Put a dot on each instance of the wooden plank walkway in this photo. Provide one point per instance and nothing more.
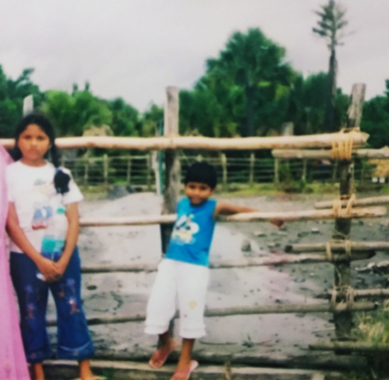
(115, 370)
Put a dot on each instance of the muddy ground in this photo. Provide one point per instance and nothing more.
(283, 336)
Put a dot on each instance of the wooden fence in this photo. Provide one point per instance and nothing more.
(139, 170)
(340, 250)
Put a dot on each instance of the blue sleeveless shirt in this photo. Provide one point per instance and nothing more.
(192, 233)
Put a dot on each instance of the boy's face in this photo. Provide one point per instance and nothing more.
(198, 192)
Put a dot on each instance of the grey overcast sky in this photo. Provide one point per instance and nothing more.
(135, 48)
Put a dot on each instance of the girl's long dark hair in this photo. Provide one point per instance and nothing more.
(61, 179)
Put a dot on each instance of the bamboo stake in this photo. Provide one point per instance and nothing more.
(338, 246)
(350, 346)
(289, 216)
(272, 260)
(243, 310)
(358, 202)
(207, 143)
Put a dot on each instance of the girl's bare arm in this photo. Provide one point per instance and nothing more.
(71, 237)
(45, 265)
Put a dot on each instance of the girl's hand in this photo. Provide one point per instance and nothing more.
(48, 269)
(61, 266)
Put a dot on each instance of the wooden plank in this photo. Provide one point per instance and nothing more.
(363, 293)
(206, 143)
(288, 216)
(132, 370)
(350, 346)
(242, 310)
(358, 202)
(338, 246)
(272, 260)
(325, 154)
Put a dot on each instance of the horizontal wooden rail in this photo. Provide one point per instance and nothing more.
(349, 346)
(243, 310)
(325, 154)
(363, 293)
(272, 260)
(207, 143)
(358, 202)
(338, 246)
(287, 216)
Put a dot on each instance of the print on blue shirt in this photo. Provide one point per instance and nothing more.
(192, 233)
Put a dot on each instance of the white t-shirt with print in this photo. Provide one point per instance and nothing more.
(32, 191)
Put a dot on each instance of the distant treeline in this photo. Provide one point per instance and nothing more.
(249, 89)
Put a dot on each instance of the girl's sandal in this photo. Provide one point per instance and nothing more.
(184, 374)
(160, 356)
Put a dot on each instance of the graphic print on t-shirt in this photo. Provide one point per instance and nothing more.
(41, 217)
(184, 229)
(43, 211)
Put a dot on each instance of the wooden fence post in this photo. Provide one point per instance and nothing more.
(304, 173)
(86, 168)
(149, 169)
(172, 171)
(276, 170)
(129, 169)
(343, 321)
(223, 160)
(251, 172)
(172, 164)
(105, 169)
(334, 170)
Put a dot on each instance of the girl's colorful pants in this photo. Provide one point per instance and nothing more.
(74, 341)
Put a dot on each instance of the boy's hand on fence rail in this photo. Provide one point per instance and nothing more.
(277, 222)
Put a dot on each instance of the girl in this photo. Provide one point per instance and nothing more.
(13, 365)
(42, 203)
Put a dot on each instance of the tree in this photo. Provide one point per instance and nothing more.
(71, 114)
(12, 93)
(125, 118)
(150, 121)
(375, 119)
(330, 27)
(240, 90)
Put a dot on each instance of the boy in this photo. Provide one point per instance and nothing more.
(183, 272)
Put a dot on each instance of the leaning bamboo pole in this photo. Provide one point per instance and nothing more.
(338, 246)
(358, 202)
(287, 216)
(325, 154)
(206, 143)
(242, 310)
(272, 260)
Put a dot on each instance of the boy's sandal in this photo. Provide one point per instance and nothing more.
(184, 374)
(161, 356)
(93, 378)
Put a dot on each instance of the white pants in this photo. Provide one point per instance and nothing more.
(182, 282)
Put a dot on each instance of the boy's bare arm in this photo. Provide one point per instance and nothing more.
(223, 208)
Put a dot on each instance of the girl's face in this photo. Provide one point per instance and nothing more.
(33, 143)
